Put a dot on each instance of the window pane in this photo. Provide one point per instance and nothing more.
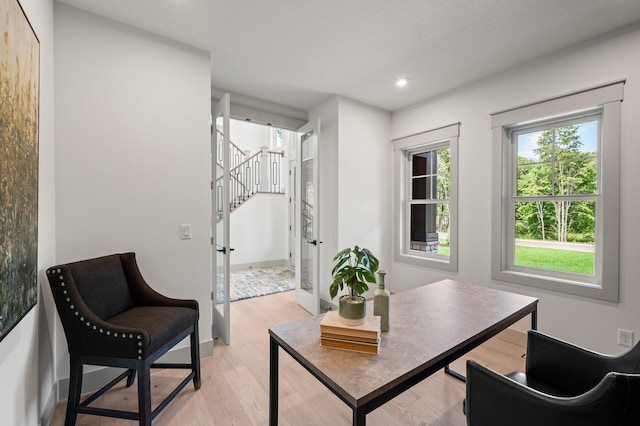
(558, 161)
(444, 175)
(558, 236)
(430, 228)
(575, 177)
(419, 188)
(420, 224)
(579, 138)
(533, 180)
(528, 147)
(436, 166)
(419, 164)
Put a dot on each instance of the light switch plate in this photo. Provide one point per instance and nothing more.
(185, 232)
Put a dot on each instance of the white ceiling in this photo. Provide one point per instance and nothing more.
(297, 53)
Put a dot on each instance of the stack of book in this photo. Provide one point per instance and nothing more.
(359, 338)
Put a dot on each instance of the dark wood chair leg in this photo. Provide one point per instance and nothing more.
(144, 395)
(195, 357)
(75, 389)
(131, 377)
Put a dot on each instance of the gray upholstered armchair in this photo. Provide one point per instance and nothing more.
(111, 317)
(563, 385)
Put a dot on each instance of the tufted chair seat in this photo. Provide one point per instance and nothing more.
(112, 317)
(158, 325)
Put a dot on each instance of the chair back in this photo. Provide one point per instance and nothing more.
(101, 284)
(628, 362)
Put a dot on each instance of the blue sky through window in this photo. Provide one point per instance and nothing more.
(588, 132)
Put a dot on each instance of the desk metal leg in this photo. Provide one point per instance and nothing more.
(359, 416)
(534, 319)
(455, 374)
(273, 382)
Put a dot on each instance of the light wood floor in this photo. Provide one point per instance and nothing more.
(235, 383)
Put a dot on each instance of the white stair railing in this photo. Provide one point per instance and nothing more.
(236, 154)
(258, 173)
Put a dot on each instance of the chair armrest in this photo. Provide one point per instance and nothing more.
(564, 366)
(142, 292)
(494, 400)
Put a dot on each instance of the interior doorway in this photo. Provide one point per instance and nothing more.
(260, 216)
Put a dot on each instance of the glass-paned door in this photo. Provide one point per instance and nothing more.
(307, 282)
(293, 220)
(220, 197)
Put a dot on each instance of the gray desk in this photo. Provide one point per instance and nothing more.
(431, 326)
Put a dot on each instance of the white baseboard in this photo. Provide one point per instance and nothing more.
(94, 380)
(49, 407)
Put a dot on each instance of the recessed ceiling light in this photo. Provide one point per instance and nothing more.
(401, 82)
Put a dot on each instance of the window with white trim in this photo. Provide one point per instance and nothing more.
(556, 185)
(426, 198)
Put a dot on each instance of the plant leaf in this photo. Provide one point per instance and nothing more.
(342, 253)
(353, 268)
(339, 265)
(368, 276)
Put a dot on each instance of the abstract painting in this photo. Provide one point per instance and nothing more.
(19, 109)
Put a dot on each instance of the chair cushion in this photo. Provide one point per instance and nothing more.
(162, 323)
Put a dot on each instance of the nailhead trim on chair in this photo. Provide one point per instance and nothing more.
(94, 327)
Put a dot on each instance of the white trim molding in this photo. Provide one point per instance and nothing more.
(404, 147)
(605, 101)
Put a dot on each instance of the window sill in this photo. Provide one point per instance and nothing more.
(444, 263)
(567, 286)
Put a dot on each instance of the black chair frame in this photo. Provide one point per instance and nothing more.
(142, 368)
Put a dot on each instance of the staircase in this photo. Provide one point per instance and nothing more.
(249, 174)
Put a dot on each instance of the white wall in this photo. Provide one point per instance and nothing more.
(133, 154)
(258, 231)
(249, 136)
(26, 360)
(365, 180)
(355, 182)
(581, 320)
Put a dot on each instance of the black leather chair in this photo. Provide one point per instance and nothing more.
(563, 385)
(111, 317)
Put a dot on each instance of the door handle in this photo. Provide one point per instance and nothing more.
(223, 250)
(314, 242)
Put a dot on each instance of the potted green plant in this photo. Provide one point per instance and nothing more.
(353, 268)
